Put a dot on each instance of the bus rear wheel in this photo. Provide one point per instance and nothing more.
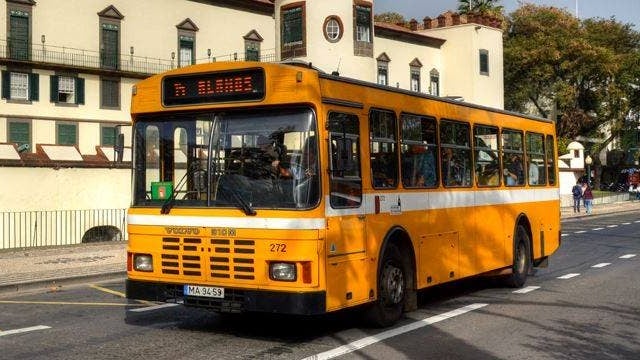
(392, 289)
(521, 259)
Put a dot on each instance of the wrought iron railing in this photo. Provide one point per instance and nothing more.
(82, 58)
(25, 229)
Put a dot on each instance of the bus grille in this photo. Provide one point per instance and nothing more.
(232, 259)
(181, 257)
(228, 259)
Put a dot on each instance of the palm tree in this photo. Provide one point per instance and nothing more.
(485, 7)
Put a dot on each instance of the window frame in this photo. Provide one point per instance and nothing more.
(482, 180)
(507, 151)
(381, 142)
(118, 84)
(484, 62)
(297, 48)
(18, 142)
(59, 133)
(362, 30)
(409, 145)
(467, 173)
(340, 28)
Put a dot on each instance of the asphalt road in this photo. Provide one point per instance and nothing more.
(585, 305)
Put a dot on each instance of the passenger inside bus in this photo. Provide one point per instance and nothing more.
(514, 172)
(422, 166)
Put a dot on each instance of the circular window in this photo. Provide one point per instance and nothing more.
(333, 28)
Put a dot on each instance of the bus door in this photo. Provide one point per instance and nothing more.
(346, 237)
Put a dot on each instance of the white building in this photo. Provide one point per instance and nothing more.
(67, 69)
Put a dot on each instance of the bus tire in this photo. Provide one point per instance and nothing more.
(521, 259)
(392, 289)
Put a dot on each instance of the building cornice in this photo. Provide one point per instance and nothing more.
(262, 7)
(399, 33)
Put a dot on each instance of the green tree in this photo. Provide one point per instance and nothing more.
(485, 7)
(390, 17)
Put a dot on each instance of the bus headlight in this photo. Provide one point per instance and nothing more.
(142, 262)
(282, 271)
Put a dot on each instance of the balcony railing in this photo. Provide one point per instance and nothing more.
(81, 58)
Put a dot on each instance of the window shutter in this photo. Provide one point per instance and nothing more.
(79, 91)
(53, 88)
(6, 85)
(34, 84)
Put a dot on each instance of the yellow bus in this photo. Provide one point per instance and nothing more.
(264, 187)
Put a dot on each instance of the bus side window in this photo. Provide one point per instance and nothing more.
(487, 160)
(345, 182)
(535, 159)
(456, 154)
(418, 151)
(512, 152)
(383, 149)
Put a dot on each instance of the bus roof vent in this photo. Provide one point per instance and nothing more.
(300, 63)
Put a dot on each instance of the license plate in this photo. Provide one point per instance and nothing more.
(206, 291)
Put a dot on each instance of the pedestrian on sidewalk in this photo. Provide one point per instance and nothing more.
(587, 195)
(577, 195)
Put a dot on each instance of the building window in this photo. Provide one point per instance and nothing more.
(333, 28)
(110, 19)
(110, 93)
(107, 135)
(19, 33)
(66, 134)
(415, 79)
(20, 86)
(252, 43)
(383, 69)
(484, 62)
(363, 45)
(19, 132)
(434, 82)
(186, 56)
(414, 73)
(66, 89)
(293, 31)
(186, 42)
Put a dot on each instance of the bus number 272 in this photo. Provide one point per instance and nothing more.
(278, 247)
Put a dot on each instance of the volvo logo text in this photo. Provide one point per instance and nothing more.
(182, 230)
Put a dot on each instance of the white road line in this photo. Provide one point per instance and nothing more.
(24, 330)
(568, 276)
(370, 340)
(637, 221)
(612, 226)
(597, 229)
(628, 256)
(564, 235)
(601, 265)
(151, 308)
(581, 231)
(627, 223)
(526, 289)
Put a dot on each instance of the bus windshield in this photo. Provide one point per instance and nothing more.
(265, 159)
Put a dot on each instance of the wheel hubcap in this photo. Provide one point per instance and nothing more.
(393, 286)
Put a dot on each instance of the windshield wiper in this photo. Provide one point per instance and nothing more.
(244, 205)
(168, 204)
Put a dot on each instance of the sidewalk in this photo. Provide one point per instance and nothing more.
(55, 267)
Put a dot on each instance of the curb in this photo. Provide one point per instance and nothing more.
(55, 284)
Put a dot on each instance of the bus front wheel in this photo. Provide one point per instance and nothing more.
(521, 259)
(392, 289)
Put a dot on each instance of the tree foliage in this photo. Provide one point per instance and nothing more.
(390, 17)
(484, 7)
(586, 73)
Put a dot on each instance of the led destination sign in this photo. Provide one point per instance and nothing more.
(213, 87)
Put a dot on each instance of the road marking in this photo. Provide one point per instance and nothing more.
(568, 276)
(581, 231)
(370, 340)
(628, 256)
(612, 226)
(24, 330)
(118, 293)
(637, 221)
(66, 303)
(564, 235)
(526, 289)
(156, 307)
(597, 229)
(601, 265)
(627, 223)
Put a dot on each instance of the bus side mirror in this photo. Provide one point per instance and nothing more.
(119, 147)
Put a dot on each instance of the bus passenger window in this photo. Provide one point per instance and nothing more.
(535, 159)
(487, 160)
(383, 149)
(418, 151)
(455, 162)
(512, 148)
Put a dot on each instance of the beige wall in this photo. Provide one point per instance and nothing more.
(460, 53)
(66, 188)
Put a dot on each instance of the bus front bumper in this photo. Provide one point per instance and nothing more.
(235, 300)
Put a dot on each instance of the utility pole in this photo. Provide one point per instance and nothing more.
(576, 8)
